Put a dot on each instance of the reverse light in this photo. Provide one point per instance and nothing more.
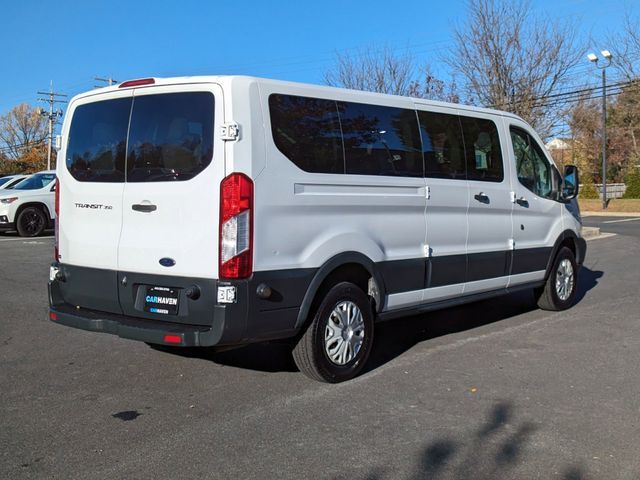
(236, 227)
(137, 83)
(8, 200)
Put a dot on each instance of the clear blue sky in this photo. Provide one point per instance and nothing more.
(70, 42)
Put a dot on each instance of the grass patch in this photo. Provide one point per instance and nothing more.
(626, 205)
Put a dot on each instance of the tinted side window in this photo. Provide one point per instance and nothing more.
(380, 140)
(307, 132)
(482, 146)
(171, 136)
(442, 145)
(97, 141)
(533, 169)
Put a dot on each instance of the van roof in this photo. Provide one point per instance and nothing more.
(227, 79)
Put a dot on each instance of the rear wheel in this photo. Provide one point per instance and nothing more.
(559, 293)
(31, 222)
(337, 342)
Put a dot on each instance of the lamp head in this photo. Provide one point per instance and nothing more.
(606, 54)
(592, 57)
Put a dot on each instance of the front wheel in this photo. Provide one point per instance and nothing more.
(337, 342)
(559, 292)
(31, 222)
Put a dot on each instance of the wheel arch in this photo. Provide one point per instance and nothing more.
(569, 239)
(39, 205)
(346, 266)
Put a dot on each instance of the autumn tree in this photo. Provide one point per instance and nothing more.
(586, 142)
(382, 70)
(509, 59)
(623, 130)
(22, 129)
(625, 45)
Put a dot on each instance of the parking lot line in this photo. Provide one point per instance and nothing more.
(623, 220)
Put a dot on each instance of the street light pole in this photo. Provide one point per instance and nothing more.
(604, 138)
(594, 58)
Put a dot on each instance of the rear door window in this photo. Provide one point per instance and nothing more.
(97, 141)
(149, 138)
(171, 136)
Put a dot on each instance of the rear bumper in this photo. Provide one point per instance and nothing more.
(107, 301)
(134, 329)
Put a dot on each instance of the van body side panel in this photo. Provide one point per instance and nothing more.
(304, 219)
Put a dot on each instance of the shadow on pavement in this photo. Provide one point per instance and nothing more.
(587, 279)
(394, 337)
(488, 451)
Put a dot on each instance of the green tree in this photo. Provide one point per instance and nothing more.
(588, 191)
(633, 184)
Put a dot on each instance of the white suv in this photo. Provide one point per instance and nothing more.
(219, 211)
(28, 206)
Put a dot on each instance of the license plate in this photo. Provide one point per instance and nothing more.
(162, 300)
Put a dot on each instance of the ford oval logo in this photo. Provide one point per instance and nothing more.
(167, 262)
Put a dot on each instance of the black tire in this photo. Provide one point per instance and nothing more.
(31, 222)
(310, 353)
(548, 297)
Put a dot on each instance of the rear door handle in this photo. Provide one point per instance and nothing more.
(144, 207)
(481, 197)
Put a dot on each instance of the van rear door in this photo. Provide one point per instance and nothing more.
(170, 208)
(91, 186)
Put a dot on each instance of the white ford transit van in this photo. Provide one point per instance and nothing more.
(219, 211)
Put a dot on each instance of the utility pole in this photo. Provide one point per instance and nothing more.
(52, 116)
(109, 81)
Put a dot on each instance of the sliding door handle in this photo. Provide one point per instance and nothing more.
(482, 198)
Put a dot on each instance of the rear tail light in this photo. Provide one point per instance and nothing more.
(57, 221)
(236, 227)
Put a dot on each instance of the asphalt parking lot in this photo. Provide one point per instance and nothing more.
(495, 389)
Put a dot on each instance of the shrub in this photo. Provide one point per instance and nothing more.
(633, 185)
(588, 191)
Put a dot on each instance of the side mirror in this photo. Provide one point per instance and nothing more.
(570, 183)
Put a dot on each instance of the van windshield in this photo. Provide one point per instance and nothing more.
(148, 138)
(35, 182)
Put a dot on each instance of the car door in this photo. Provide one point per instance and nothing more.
(537, 215)
(447, 193)
(91, 170)
(490, 237)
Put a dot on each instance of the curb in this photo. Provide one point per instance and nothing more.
(590, 232)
